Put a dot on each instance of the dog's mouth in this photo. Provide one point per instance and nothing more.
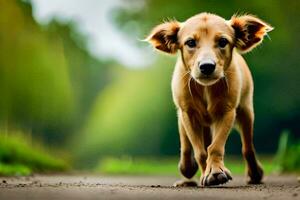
(207, 80)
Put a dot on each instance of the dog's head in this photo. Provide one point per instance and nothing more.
(206, 42)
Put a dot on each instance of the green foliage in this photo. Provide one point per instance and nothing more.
(19, 156)
(131, 116)
(14, 170)
(140, 166)
(48, 80)
(288, 153)
(34, 90)
(291, 161)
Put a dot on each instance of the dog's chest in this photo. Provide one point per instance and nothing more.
(202, 97)
(208, 101)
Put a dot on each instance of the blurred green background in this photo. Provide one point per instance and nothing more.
(65, 106)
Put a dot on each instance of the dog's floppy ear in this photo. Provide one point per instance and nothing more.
(249, 31)
(164, 37)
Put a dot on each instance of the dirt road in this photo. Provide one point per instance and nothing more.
(116, 187)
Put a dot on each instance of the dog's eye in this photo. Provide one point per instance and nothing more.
(223, 42)
(191, 43)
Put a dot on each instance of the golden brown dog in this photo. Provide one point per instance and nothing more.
(212, 90)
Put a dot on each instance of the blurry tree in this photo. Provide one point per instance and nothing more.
(48, 79)
(88, 75)
(132, 116)
(35, 84)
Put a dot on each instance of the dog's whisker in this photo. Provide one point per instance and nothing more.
(189, 85)
(224, 79)
(188, 72)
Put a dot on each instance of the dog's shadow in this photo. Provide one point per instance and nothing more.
(227, 187)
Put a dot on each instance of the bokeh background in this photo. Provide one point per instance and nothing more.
(79, 90)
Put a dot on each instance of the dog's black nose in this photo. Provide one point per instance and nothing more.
(207, 68)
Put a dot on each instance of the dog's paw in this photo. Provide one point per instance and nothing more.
(188, 167)
(215, 174)
(255, 175)
(185, 183)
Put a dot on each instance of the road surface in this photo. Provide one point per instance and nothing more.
(137, 187)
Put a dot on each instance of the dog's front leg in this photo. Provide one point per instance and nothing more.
(195, 135)
(216, 173)
(187, 164)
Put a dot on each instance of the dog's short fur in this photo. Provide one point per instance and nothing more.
(212, 90)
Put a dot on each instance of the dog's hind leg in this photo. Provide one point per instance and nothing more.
(207, 137)
(245, 120)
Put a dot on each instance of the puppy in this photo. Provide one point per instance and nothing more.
(212, 89)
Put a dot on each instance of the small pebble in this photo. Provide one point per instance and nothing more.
(295, 194)
(154, 186)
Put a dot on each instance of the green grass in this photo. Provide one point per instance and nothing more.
(14, 170)
(167, 166)
(137, 166)
(19, 156)
(288, 153)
